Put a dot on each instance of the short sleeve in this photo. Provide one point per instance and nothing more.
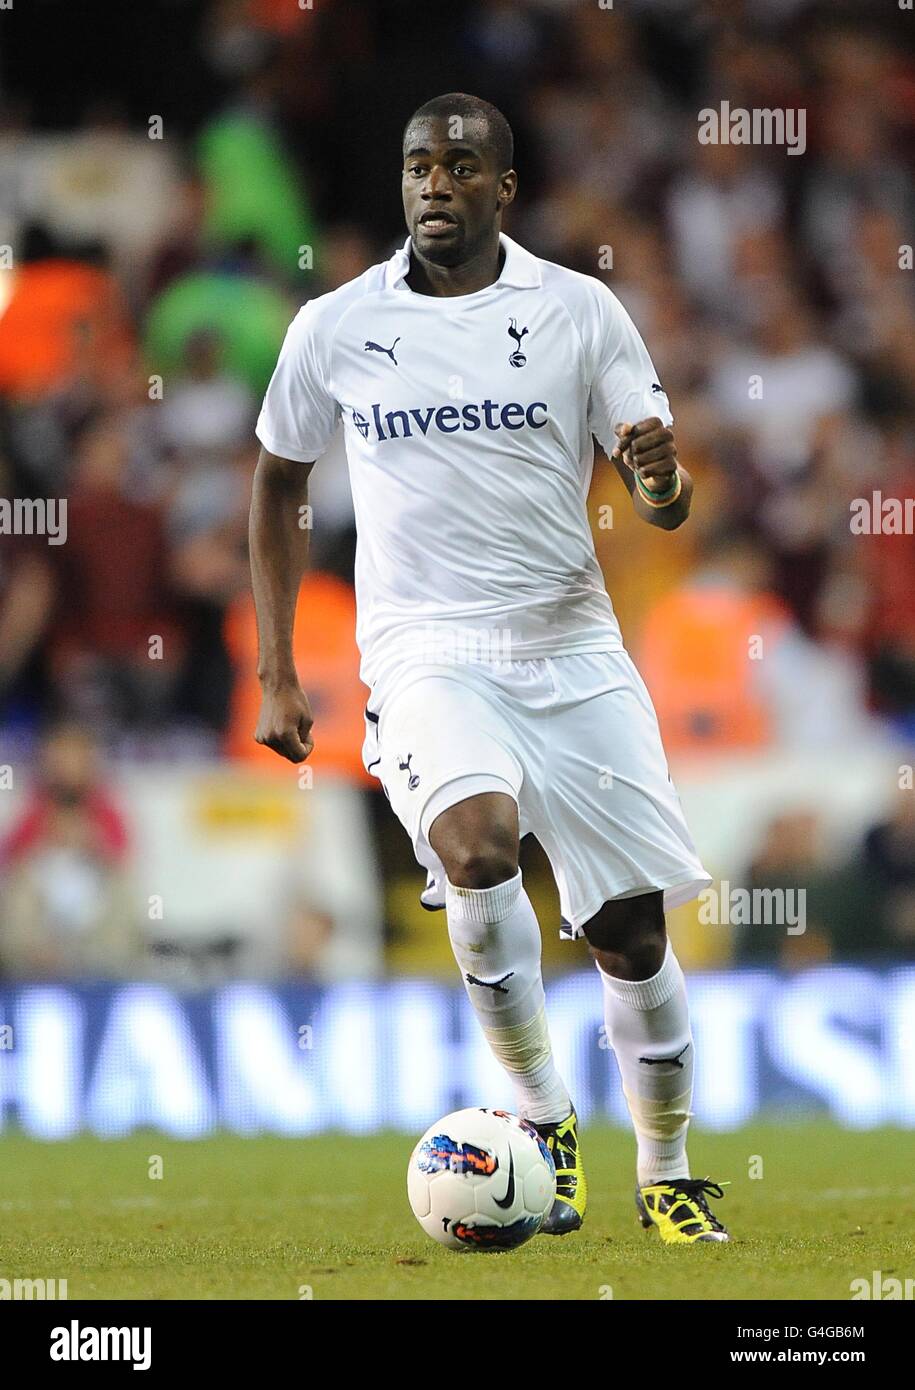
(625, 387)
(299, 415)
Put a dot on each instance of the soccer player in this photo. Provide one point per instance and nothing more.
(470, 377)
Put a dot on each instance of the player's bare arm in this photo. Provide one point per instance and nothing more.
(279, 553)
(646, 460)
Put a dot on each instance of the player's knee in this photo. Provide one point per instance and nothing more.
(483, 862)
(628, 938)
(477, 841)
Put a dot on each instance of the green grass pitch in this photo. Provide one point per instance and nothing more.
(266, 1218)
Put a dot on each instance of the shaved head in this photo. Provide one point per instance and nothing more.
(497, 141)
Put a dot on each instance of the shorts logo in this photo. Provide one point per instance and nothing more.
(517, 358)
(413, 780)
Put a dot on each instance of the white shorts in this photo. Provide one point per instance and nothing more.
(573, 739)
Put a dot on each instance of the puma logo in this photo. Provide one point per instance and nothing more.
(671, 1061)
(490, 984)
(376, 347)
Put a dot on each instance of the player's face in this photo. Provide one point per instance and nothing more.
(452, 191)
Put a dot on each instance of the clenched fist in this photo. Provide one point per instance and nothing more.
(285, 722)
(648, 448)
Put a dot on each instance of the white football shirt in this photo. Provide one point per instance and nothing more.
(468, 424)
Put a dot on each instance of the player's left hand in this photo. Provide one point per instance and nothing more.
(649, 449)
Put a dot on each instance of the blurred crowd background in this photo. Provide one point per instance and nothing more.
(176, 179)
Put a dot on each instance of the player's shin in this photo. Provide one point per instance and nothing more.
(647, 1024)
(496, 941)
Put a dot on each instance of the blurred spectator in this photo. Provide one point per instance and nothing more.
(117, 641)
(858, 907)
(703, 650)
(253, 189)
(886, 866)
(889, 628)
(107, 181)
(26, 602)
(206, 414)
(720, 198)
(66, 908)
(856, 169)
(791, 860)
(181, 245)
(327, 660)
(347, 252)
(208, 529)
(777, 392)
(337, 922)
(64, 320)
(250, 314)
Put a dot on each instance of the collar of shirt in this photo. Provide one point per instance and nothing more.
(520, 271)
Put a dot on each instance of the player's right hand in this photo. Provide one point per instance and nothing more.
(285, 722)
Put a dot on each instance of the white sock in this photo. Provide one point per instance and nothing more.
(648, 1020)
(495, 937)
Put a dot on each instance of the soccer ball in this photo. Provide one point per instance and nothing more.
(481, 1180)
